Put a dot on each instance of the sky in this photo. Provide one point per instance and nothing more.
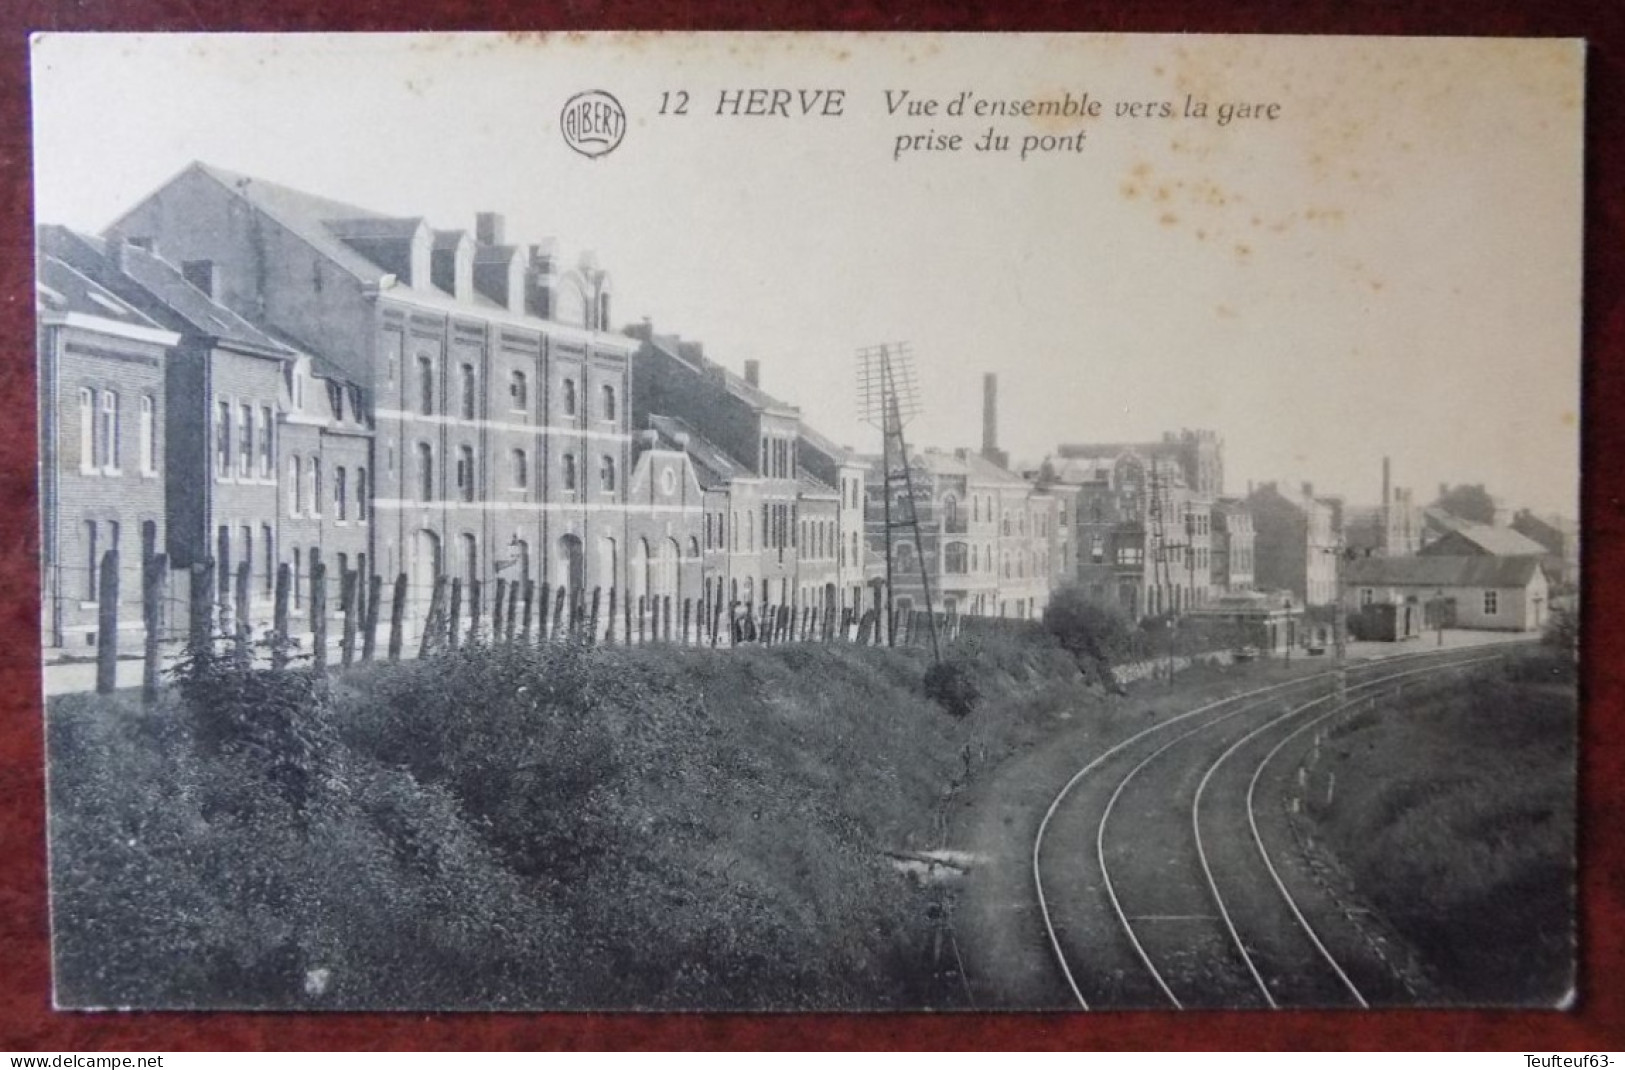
(1384, 263)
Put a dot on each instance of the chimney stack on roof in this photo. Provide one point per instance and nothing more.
(489, 228)
(753, 372)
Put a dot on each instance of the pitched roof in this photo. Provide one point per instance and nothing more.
(733, 385)
(822, 443)
(1441, 571)
(713, 465)
(59, 288)
(1503, 542)
(158, 289)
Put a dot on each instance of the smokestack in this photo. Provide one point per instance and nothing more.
(1386, 484)
(489, 228)
(990, 415)
(753, 372)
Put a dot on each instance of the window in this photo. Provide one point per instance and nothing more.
(955, 558)
(222, 439)
(465, 473)
(1097, 549)
(111, 458)
(299, 390)
(519, 466)
(569, 473)
(92, 560)
(606, 473)
(425, 386)
(267, 445)
(245, 441)
(341, 494)
(269, 553)
(1492, 603)
(296, 485)
(87, 430)
(149, 440)
(568, 397)
(950, 513)
(518, 392)
(425, 472)
(609, 402)
(298, 572)
(361, 495)
(1366, 596)
(315, 486)
(470, 407)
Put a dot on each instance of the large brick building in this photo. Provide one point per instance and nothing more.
(1297, 542)
(496, 395)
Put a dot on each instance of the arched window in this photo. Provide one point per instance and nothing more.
(315, 486)
(519, 464)
(465, 472)
(425, 472)
(296, 485)
(606, 472)
(950, 513)
(569, 471)
(361, 494)
(609, 401)
(470, 403)
(955, 558)
(341, 500)
(567, 399)
(425, 386)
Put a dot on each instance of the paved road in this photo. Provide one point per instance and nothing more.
(1134, 909)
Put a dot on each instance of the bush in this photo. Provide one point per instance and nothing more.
(1094, 635)
(952, 686)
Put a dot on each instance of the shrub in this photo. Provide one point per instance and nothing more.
(1094, 635)
(952, 686)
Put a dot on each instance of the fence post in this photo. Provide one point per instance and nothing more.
(530, 601)
(107, 624)
(643, 613)
(716, 618)
(558, 610)
(152, 587)
(513, 609)
(279, 617)
(626, 618)
(397, 610)
(541, 614)
(592, 621)
(318, 616)
(199, 606)
(431, 622)
(609, 620)
(369, 617)
(499, 603)
(348, 583)
(241, 632)
(454, 615)
(475, 610)
(688, 610)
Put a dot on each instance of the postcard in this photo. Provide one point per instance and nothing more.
(750, 521)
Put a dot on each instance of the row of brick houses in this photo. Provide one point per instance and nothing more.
(238, 371)
(245, 373)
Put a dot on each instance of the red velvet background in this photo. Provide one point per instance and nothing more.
(26, 1019)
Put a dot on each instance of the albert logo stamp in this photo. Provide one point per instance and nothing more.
(593, 123)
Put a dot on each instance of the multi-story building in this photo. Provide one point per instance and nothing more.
(838, 467)
(985, 536)
(779, 527)
(1392, 528)
(102, 364)
(497, 392)
(1232, 546)
(1560, 537)
(1297, 542)
(1143, 519)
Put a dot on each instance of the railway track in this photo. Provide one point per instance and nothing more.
(1172, 896)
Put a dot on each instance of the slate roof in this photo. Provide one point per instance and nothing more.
(1503, 542)
(1441, 571)
(732, 384)
(837, 453)
(158, 289)
(713, 466)
(59, 288)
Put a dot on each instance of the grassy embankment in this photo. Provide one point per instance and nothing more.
(552, 827)
(1454, 816)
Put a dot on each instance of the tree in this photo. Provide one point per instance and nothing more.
(1094, 635)
(1468, 501)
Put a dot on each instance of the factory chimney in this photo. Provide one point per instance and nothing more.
(990, 421)
(753, 372)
